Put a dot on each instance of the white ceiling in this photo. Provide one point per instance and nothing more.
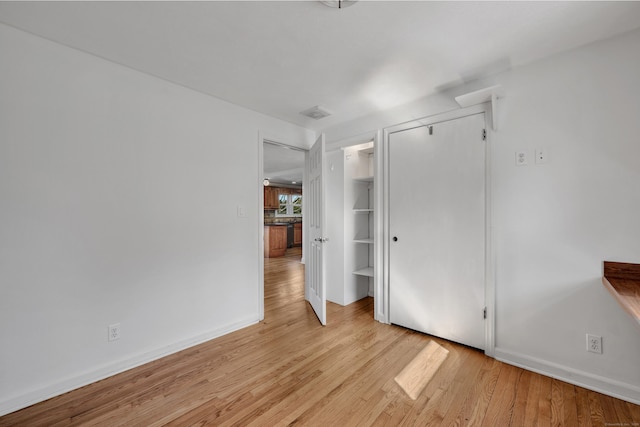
(283, 165)
(280, 58)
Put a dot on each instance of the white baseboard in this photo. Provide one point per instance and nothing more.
(617, 389)
(15, 403)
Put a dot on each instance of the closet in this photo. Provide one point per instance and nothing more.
(350, 223)
(437, 228)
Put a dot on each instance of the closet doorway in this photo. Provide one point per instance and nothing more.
(437, 226)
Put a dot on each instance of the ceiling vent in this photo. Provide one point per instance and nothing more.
(316, 112)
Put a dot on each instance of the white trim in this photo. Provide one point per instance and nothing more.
(261, 140)
(351, 141)
(439, 118)
(305, 223)
(383, 241)
(491, 94)
(31, 397)
(382, 310)
(617, 389)
(490, 255)
(379, 313)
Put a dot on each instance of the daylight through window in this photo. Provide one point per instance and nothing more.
(289, 205)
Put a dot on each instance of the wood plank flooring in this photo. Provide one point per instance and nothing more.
(289, 370)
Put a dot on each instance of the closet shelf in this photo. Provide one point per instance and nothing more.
(364, 179)
(366, 240)
(367, 271)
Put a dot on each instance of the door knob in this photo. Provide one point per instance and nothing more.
(395, 239)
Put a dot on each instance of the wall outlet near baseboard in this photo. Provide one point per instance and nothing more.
(114, 332)
(594, 343)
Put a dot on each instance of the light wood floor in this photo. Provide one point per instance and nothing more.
(288, 370)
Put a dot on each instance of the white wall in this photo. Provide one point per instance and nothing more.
(115, 209)
(555, 223)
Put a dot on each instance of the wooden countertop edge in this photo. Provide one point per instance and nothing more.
(622, 300)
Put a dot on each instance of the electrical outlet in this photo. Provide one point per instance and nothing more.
(594, 343)
(521, 158)
(114, 332)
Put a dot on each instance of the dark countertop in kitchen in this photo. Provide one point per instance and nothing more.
(266, 224)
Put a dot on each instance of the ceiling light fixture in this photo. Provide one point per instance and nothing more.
(266, 182)
(340, 4)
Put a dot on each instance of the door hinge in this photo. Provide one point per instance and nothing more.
(484, 313)
(484, 134)
(430, 130)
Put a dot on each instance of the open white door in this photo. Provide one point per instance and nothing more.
(316, 286)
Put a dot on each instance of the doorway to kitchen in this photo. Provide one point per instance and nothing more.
(283, 175)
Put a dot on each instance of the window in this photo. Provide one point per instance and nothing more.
(296, 204)
(283, 204)
(289, 205)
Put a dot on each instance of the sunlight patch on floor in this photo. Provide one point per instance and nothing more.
(417, 374)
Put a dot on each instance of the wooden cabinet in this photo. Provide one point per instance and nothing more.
(297, 234)
(271, 197)
(275, 240)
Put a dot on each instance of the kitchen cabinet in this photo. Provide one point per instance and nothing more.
(275, 240)
(297, 234)
(271, 198)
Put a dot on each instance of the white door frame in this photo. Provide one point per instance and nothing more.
(382, 251)
(261, 140)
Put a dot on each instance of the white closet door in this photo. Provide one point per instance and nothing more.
(437, 229)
